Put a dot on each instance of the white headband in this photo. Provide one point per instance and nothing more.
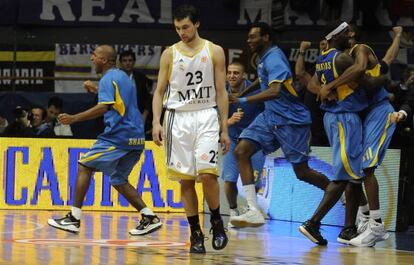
(340, 28)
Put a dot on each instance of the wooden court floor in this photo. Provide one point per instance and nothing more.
(27, 239)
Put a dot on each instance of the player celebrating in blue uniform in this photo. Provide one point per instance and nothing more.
(241, 115)
(284, 123)
(117, 149)
(343, 127)
(378, 128)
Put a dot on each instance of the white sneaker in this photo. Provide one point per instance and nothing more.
(252, 217)
(362, 222)
(374, 232)
(233, 213)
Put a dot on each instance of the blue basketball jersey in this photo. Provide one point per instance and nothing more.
(349, 100)
(273, 67)
(124, 126)
(250, 111)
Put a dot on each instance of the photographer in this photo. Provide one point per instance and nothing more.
(39, 124)
(20, 127)
(54, 108)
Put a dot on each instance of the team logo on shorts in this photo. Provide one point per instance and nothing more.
(204, 156)
(178, 164)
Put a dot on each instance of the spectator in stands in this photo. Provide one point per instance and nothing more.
(39, 124)
(143, 85)
(20, 127)
(54, 108)
(405, 99)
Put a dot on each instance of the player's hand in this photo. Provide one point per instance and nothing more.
(65, 118)
(304, 45)
(225, 142)
(236, 117)
(157, 134)
(90, 86)
(233, 99)
(324, 93)
(397, 117)
(397, 31)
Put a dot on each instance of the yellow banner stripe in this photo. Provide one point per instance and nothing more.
(28, 56)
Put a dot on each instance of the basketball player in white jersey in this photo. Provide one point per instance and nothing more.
(191, 80)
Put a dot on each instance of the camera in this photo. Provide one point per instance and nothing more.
(20, 112)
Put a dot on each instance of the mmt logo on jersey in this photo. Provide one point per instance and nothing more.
(194, 96)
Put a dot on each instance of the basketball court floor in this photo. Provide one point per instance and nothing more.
(25, 238)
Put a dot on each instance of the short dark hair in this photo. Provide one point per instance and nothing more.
(186, 10)
(126, 54)
(57, 102)
(265, 29)
(238, 63)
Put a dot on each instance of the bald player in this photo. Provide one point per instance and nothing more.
(117, 149)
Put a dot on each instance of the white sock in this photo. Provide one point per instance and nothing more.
(364, 208)
(250, 191)
(146, 211)
(234, 212)
(76, 212)
(375, 214)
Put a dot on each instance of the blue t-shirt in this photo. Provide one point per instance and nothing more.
(349, 99)
(124, 126)
(250, 112)
(273, 67)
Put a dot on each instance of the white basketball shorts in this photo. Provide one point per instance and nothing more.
(191, 142)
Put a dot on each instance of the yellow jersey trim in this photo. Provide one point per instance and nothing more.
(187, 54)
(170, 64)
(289, 87)
(175, 175)
(211, 171)
(327, 51)
(210, 50)
(119, 105)
(344, 157)
(87, 158)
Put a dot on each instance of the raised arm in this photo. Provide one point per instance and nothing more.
(302, 76)
(392, 51)
(165, 63)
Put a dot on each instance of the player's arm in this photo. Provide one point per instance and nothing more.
(252, 87)
(162, 83)
(351, 73)
(302, 76)
(392, 51)
(271, 92)
(219, 62)
(313, 85)
(92, 113)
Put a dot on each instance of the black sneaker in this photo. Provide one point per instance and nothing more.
(148, 224)
(219, 235)
(347, 234)
(67, 223)
(197, 242)
(311, 231)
